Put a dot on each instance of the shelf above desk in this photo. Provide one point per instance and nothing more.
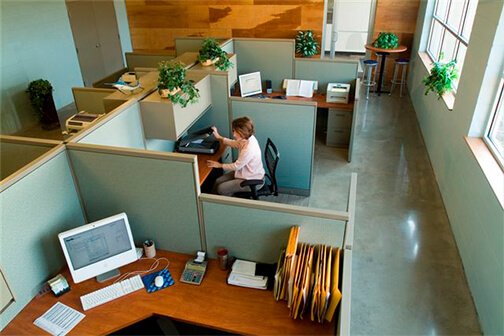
(213, 304)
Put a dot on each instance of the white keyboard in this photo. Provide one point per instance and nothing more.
(111, 292)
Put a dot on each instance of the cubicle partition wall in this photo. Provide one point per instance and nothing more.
(257, 230)
(91, 100)
(16, 152)
(274, 58)
(291, 127)
(38, 202)
(136, 60)
(158, 191)
(120, 128)
(326, 70)
(261, 229)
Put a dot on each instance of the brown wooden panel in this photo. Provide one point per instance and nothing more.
(155, 23)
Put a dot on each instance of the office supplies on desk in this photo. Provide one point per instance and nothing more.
(298, 87)
(59, 319)
(149, 248)
(193, 272)
(59, 285)
(81, 120)
(199, 142)
(111, 292)
(149, 280)
(337, 93)
(243, 273)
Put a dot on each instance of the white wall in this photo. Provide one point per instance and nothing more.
(36, 42)
(476, 216)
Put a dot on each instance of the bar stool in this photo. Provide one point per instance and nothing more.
(400, 65)
(367, 81)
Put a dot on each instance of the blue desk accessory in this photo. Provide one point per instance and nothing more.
(148, 280)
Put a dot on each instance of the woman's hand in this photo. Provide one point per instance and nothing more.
(216, 133)
(214, 164)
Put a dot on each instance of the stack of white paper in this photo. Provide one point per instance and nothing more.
(59, 319)
(243, 274)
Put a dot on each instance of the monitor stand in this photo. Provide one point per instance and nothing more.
(108, 275)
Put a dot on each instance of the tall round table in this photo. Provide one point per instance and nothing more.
(384, 53)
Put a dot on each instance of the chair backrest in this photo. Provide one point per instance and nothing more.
(271, 157)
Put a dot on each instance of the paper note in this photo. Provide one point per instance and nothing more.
(59, 319)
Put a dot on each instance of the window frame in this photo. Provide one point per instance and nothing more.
(497, 104)
(446, 28)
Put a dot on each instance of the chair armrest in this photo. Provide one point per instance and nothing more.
(251, 183)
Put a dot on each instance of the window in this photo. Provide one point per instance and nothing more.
(494, 137)
(451, 27)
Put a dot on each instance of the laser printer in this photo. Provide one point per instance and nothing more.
(337, 93)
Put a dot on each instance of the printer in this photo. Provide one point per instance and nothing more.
(199, 142)
(337, 93)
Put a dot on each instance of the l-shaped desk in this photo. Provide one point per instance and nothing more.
(213, 304)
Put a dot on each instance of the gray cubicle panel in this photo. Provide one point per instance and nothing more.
(258, 230)
(326, 70)
(158, 192)
(37, 203)
(146, 60)
(291, 127)
(120, 128)
(90, 100)
(274, 58)
(228, 46)
(16, 152)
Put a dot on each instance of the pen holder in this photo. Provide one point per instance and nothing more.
(222, 256)
(149, 248)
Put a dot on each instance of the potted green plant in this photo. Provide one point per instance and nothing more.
(41, 98)
(172, 84)
(306, 45)
(386, 41)
(441, 77)
(211, 53)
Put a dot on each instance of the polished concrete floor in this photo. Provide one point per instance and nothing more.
(407, 274)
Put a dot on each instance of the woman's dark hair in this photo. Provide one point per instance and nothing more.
(244, 126)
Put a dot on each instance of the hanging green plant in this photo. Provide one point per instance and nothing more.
(211, 53)
(386, 41)
(441, 78)
(306, 45)
(172, 84)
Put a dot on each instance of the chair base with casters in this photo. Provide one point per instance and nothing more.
(401, 65)
(269, 184)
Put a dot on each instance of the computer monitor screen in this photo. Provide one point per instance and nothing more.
(250, 84)
(99, 247)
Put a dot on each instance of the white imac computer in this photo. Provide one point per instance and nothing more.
(250, 84)
(99, 248)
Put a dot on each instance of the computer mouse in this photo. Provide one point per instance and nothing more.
(158, 281)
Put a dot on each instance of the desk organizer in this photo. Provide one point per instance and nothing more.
(148, 280)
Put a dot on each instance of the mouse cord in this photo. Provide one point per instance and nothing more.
(153, 267)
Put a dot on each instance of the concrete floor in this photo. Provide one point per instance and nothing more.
(407, 273)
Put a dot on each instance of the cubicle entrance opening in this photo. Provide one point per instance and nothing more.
(160, 325)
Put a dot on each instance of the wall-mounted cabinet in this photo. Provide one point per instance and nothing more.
(164, 120)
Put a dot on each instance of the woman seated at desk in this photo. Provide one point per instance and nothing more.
(248, 166)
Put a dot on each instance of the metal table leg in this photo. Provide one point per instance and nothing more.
(382, 68)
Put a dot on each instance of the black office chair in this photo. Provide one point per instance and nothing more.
(271, 157)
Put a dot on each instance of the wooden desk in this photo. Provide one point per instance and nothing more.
(213, 304)
(318, 98)
(384, 53)
(203, 168)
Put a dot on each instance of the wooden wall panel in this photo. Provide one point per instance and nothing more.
(155, 23)
(398, 17)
